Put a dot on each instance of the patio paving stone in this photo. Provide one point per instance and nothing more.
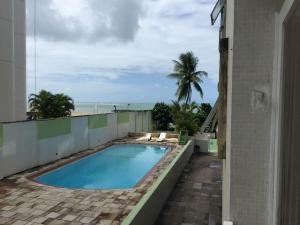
(197, 197)
(23, 201)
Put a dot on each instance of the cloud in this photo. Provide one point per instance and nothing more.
(51, 25)
(90, 21)
(122, 18)
(120, 50)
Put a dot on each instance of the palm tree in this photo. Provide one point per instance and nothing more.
(187, 76)
(46, 105)
(64, 105)
(40, 104)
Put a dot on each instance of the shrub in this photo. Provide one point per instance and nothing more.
(184, 118)
(47, 105)
(161, 115)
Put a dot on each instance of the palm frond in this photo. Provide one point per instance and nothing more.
(198, 88)
(175, 75)
(201, 73)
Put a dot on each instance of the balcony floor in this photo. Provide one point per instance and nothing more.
(197, 197)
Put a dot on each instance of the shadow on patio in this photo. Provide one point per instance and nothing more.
(197, 196)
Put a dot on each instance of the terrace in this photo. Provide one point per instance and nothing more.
(258, 138)
(30, 149)
(24, 201)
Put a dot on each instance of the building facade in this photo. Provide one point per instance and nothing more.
(12, 60)
(260, 162)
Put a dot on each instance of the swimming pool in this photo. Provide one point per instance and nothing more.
(118, 166)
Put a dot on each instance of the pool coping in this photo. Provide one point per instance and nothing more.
(88, 152)
(129, 220)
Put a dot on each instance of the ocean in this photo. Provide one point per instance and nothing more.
(82, 108)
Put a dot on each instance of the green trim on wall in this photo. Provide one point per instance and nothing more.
(123, 117)
(97, 121)
(1, 134)
(53, 128)
(213, 145)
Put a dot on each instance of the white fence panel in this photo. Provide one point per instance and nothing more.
(132, 122)
(123, 129)
(139, 122)
(19, 151)
(54, 148)
(102, 135)
(23, 149)
(79, 134)
(112, 126)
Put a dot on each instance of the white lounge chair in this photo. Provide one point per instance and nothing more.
(146, 138)
(162, 137)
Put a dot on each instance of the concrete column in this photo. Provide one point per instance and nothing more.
(247, 172)
(12, 60)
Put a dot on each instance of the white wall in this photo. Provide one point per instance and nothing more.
(102, 135)
(80, 134)
(140, 121)
(147, 120)
(54, 148)
(132, 122)
(123, 130)
(22, 149)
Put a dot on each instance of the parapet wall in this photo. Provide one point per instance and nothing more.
(27, 144)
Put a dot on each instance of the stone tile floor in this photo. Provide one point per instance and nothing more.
(197, 197)
(24, 202)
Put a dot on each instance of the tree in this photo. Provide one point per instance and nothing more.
(187, 76)
(203, 112)
(161, 114)
(47, 105)
(184, 118)
(63, 105)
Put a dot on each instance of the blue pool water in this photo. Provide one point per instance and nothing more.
(118, 166)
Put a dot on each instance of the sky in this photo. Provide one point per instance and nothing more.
(118, 50)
